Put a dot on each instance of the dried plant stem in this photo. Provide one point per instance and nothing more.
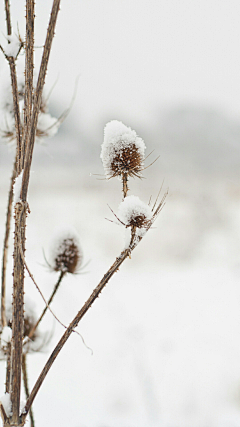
(125, 184)
(18, 126)
(18, 309)
(8, 19)
(95, 294)
(29, 67)
(30, 139)
(8, 369)
(5, 247)
(62, 274)
(26, 388)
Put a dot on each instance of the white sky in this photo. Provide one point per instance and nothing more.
(134, 56)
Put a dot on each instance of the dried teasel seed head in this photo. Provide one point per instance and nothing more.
(122, 151)
(47, 125)
(66, 255)
(135, 213)
(38, 339)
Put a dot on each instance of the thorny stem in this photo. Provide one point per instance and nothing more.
(18, 126)
(38, 97)
(62, 274)
(29, 66)
(18, 309)
(26, 388)
(95, 294)
(125, 184)
(5, 246)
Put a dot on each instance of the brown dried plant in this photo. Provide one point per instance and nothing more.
(122, 155)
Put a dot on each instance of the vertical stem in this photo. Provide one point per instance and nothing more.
(38, 97)
(125, 184)
(18, 310)
(29, 66)
(8, 19)
(5, 247)
(48, 304)
(8, 369)
(26, 388)
(18, 125)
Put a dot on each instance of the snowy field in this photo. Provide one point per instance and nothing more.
(165, 333)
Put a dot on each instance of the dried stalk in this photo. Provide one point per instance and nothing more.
(29, 67)
(20, 221)
(26, 388)
(5, 246)
(62, 274)
(8, 19)
(95, 294)
(30, 139)
(125, 184)
(8, 369)
(18, 309)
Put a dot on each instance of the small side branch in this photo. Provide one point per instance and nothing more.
(5, 247)
(26, 388)
(95, 294)
(47, 305)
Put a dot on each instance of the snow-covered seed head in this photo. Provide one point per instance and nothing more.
(47, 125)
(66, 254)
(135, 213)
(122, 150)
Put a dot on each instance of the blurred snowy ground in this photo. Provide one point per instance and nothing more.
(165, 333)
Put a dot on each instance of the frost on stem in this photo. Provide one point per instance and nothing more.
(122, 151)
(66, 254)
(47, 125)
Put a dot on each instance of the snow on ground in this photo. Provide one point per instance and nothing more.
(165, 333)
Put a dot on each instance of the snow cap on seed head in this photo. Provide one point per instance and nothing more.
(122, 150)
(66, 253)
(133, 212)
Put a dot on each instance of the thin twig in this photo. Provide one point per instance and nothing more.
(8, 17)
(26, 388)
(125, 184)
(29, 66)
(47, 305)
(5, 247)
(71, 327)
(8, 369)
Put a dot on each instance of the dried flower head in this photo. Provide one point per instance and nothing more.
(38, 339)
(47, 125)
(122, 151)
(66, 253)
(135, 213)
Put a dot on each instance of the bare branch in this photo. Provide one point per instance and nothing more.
(47, 305)
(18, 309)
(37, 99)
(29, 67)
(8, 17)
(5, 246)
(95, 294)
(26, 388)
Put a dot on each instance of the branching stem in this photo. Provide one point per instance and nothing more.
(5, 247)
(31, 333)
